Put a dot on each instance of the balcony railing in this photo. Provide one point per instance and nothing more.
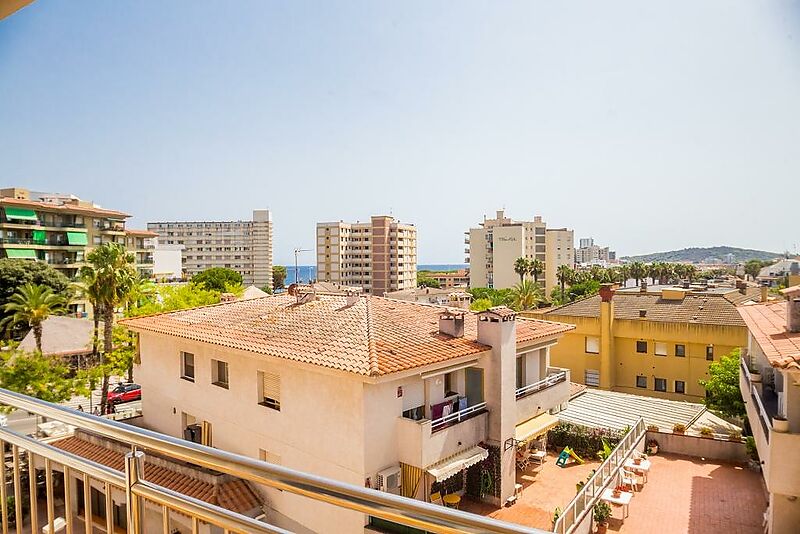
(547, 382)
(763, 418)
(137, 491)
(456, 417)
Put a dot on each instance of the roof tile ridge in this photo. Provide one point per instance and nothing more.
(374, 368)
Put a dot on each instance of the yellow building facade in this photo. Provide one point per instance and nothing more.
(658, 345)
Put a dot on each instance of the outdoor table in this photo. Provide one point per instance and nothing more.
(623, 500)
(452, 500)
(643, 467)
(538, 456)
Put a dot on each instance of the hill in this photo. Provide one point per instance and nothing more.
(707, 254)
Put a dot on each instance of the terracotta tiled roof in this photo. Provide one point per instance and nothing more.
(696, 309)
(140, 233)
(767, 324)
(233, 494)
(67, 208)
(374, 336)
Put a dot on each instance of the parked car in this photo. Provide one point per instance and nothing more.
(125, 393)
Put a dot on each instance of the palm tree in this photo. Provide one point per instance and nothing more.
(690, 272)
(112, 269)
(596, 273)
(90, 290)
(535, 269)
(141, 292)
(612, 275)
(564, 275)
(637, 271)
(521, 268)
(527, 295)
(624, 274)
(31, 305)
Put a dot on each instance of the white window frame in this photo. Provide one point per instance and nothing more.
(660, 349)
(184, 374)
(592, 345)
(216, 379)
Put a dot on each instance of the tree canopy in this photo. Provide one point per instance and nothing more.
(278, 276)
(724, 395)
(30, 306)
(43, 377)
(423, 280)
(217, 279)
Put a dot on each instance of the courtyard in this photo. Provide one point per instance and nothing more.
(683, 495)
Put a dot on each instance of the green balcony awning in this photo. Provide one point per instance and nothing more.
(77, 238)
(39, 237)
(25, 253)
(21, 214)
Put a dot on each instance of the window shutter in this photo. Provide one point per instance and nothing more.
(271, 385)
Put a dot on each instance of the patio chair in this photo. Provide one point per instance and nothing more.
(436, 498)
(632, 479)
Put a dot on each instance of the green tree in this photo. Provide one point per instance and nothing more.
(526, 295)
(583, 289)
(426, 281)
(180, 297)
(480, 305)
(43, 377)
(521, 267)
(722, 387)
(498, 297)
(565, 276)
(217, 278)
(89, 289)
(624, 274)
(278, 276)
(536, 269)
(30, 306)
(15, 273)
(112, 269)
(637, 271)
(753, 267)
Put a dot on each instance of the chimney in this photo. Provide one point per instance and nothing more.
(606, 292)
(764, 293)
(451, 323)
(351, 297)
(643, 287)
(642, 313)
(793, 315)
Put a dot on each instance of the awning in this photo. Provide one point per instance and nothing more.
(21, 214)
(450, 466)
(25, 253)
(535, 427)
(39, 237)
(77, 238)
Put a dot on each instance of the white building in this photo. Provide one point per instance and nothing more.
(497, 243)
(243, 246)
(590, 254)
(362, 389)
(167, 260)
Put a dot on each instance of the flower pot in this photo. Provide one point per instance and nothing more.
(755, 377)
(652, 450)
(616, 493)
(602, 528)
(780, 425)
(637, 461)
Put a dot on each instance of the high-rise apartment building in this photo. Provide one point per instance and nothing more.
(379, 255)
(61, 229)
(243, 246)
(588, 253)
(497, 243)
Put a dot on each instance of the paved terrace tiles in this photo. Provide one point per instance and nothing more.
(697, 309)
(767, 324)
(372, 337)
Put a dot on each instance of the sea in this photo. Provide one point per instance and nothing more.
(306, 273)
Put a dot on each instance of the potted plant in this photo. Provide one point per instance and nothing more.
(637, 460)
(755, 375)
(617, 491)
(652, 428)
(652, 447)
(706, 432)
(602, 511)
(735, 436)
(679, 428)
(556, 514)
(579, 486)
(780, 423)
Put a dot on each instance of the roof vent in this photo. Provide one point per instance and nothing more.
(642, 313)
(451, 322)
(352, 297)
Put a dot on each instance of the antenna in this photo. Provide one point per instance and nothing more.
(296, 252)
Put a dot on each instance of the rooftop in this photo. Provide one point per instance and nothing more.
(62, 336)
(711, 309)
(66, 208)
(767, 324)
(373, 336)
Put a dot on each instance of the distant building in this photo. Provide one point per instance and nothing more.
(778, 272)
(495, 245)
(243, 246)
(590, 254)
(167, 260)
(431, 295)
(459, 278)
(380, 255)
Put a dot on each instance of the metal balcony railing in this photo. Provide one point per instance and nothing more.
(137, 490)
(547, 382)
(457, 417)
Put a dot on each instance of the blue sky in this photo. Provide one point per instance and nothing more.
(648, 125)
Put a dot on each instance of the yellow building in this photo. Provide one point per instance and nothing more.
(657, 343)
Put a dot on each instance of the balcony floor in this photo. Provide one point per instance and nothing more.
(683, 495)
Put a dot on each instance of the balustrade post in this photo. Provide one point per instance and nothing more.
(134, 472)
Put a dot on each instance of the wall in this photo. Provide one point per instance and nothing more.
(509, 244)
(421, 448)
(325, 438)
(700, 447)
(541, 401)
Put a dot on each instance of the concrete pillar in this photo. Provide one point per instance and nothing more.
(607, 360)
(497, 328)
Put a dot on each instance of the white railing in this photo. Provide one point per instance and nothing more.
(583, 503)
(762, 412)
(549, 381)
(457, 417)
(134, 491)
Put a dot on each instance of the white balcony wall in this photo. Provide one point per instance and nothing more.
(420, 447)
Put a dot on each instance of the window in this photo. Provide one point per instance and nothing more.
(187, 366)
(680, 351)
(661, 349)
(710, 353)
(641, 382)
(219, 373)
(448, 383)
(520, 371)
(269, 390)
(680, 386)
(591, 377)
(592, 345)
(661, 384)
(641, 347)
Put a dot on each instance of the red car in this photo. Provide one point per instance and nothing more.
(125, 393)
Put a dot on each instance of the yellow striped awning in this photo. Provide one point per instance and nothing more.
(448, 467)
(535, 427)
